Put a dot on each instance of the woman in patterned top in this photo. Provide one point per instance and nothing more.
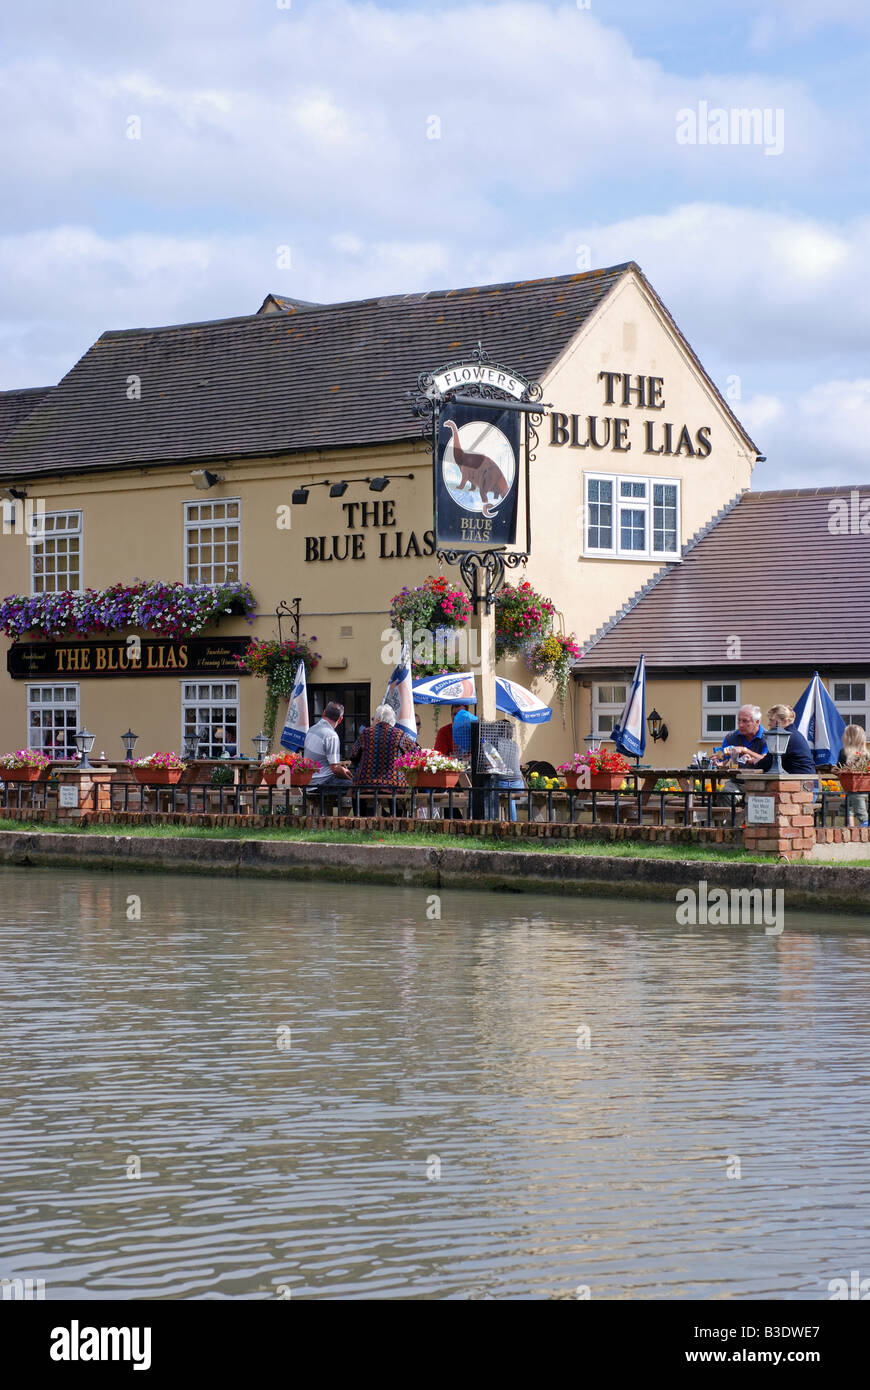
(377, 748)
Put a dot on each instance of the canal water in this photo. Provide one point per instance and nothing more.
(240, 1089)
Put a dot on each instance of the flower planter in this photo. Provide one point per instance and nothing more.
(430, 780)
(606, 781)
(297, 779)
(854, 781)
(25, 774)
(157, 776)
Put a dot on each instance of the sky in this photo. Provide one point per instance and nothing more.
(167, 163)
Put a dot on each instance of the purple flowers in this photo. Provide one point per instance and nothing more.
(168, 610)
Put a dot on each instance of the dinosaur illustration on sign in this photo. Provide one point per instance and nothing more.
(478, 472)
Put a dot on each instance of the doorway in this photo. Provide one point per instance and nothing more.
(356, 699)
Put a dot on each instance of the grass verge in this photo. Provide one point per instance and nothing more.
(618, 849)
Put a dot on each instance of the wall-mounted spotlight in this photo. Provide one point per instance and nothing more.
(338, 489)
(299, 495)
(378, 484)
(203, 479)
(13, 494)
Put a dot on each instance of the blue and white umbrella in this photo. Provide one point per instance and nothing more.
(458, 689)
(818, 719)
(520, 703)
(629, 731)
(296, 723)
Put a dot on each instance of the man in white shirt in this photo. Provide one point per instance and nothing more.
(323, 747)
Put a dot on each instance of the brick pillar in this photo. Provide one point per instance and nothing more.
(94, 787)
(792, 831)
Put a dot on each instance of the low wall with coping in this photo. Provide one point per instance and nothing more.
(808, 886)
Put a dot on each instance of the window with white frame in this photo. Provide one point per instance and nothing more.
(632, 518)
(852, 698)
(211, 541)
(719, 706)
(53, 718)
(56, 557)
(210, 711)
(608, 702)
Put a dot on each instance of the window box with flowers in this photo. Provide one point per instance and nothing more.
(424, 768)
(606, 770)
(159, 770)
(277, 663)
(168, 610)
(855, 775)
(24, 765)
(288, 770)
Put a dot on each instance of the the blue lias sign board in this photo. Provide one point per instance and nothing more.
(477, 454)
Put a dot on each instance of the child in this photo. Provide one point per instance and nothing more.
(854, 746)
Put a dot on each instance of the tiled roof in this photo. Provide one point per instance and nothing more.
(273, 303)
(769, 573)
(309, 377)
(15, 406)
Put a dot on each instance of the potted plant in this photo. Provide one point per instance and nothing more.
(288, 770)
(222, 776)
(159, 770)
(855, 776)
(423, 767)
(24, 765)
(606, 769)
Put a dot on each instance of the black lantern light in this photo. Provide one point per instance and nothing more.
(84, 743)
(261, 744)
(593, 743)
(777, 743)
(657, 726)
(129, 740)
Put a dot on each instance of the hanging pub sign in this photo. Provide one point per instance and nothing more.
(158, 656)
(476, 475)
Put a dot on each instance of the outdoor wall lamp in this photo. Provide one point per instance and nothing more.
(14, 494)
(203, 479)
(299, 495)
(84, 743)
(777, 742)
(374, 484)
(129, 740)
(338, 489)
(657, 726)
(261, 744)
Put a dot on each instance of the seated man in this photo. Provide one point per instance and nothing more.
(749, 734)
(798, 756)
(323, 747)
(746, 741)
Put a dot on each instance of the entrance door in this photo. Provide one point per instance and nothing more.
(356, 699)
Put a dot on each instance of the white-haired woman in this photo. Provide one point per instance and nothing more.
(377, 748)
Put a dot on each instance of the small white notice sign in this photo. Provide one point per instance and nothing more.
(68, 796)
(759, 810)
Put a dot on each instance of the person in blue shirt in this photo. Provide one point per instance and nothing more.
(798, 756)
(748, 735)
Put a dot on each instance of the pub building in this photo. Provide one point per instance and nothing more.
(174, 453)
